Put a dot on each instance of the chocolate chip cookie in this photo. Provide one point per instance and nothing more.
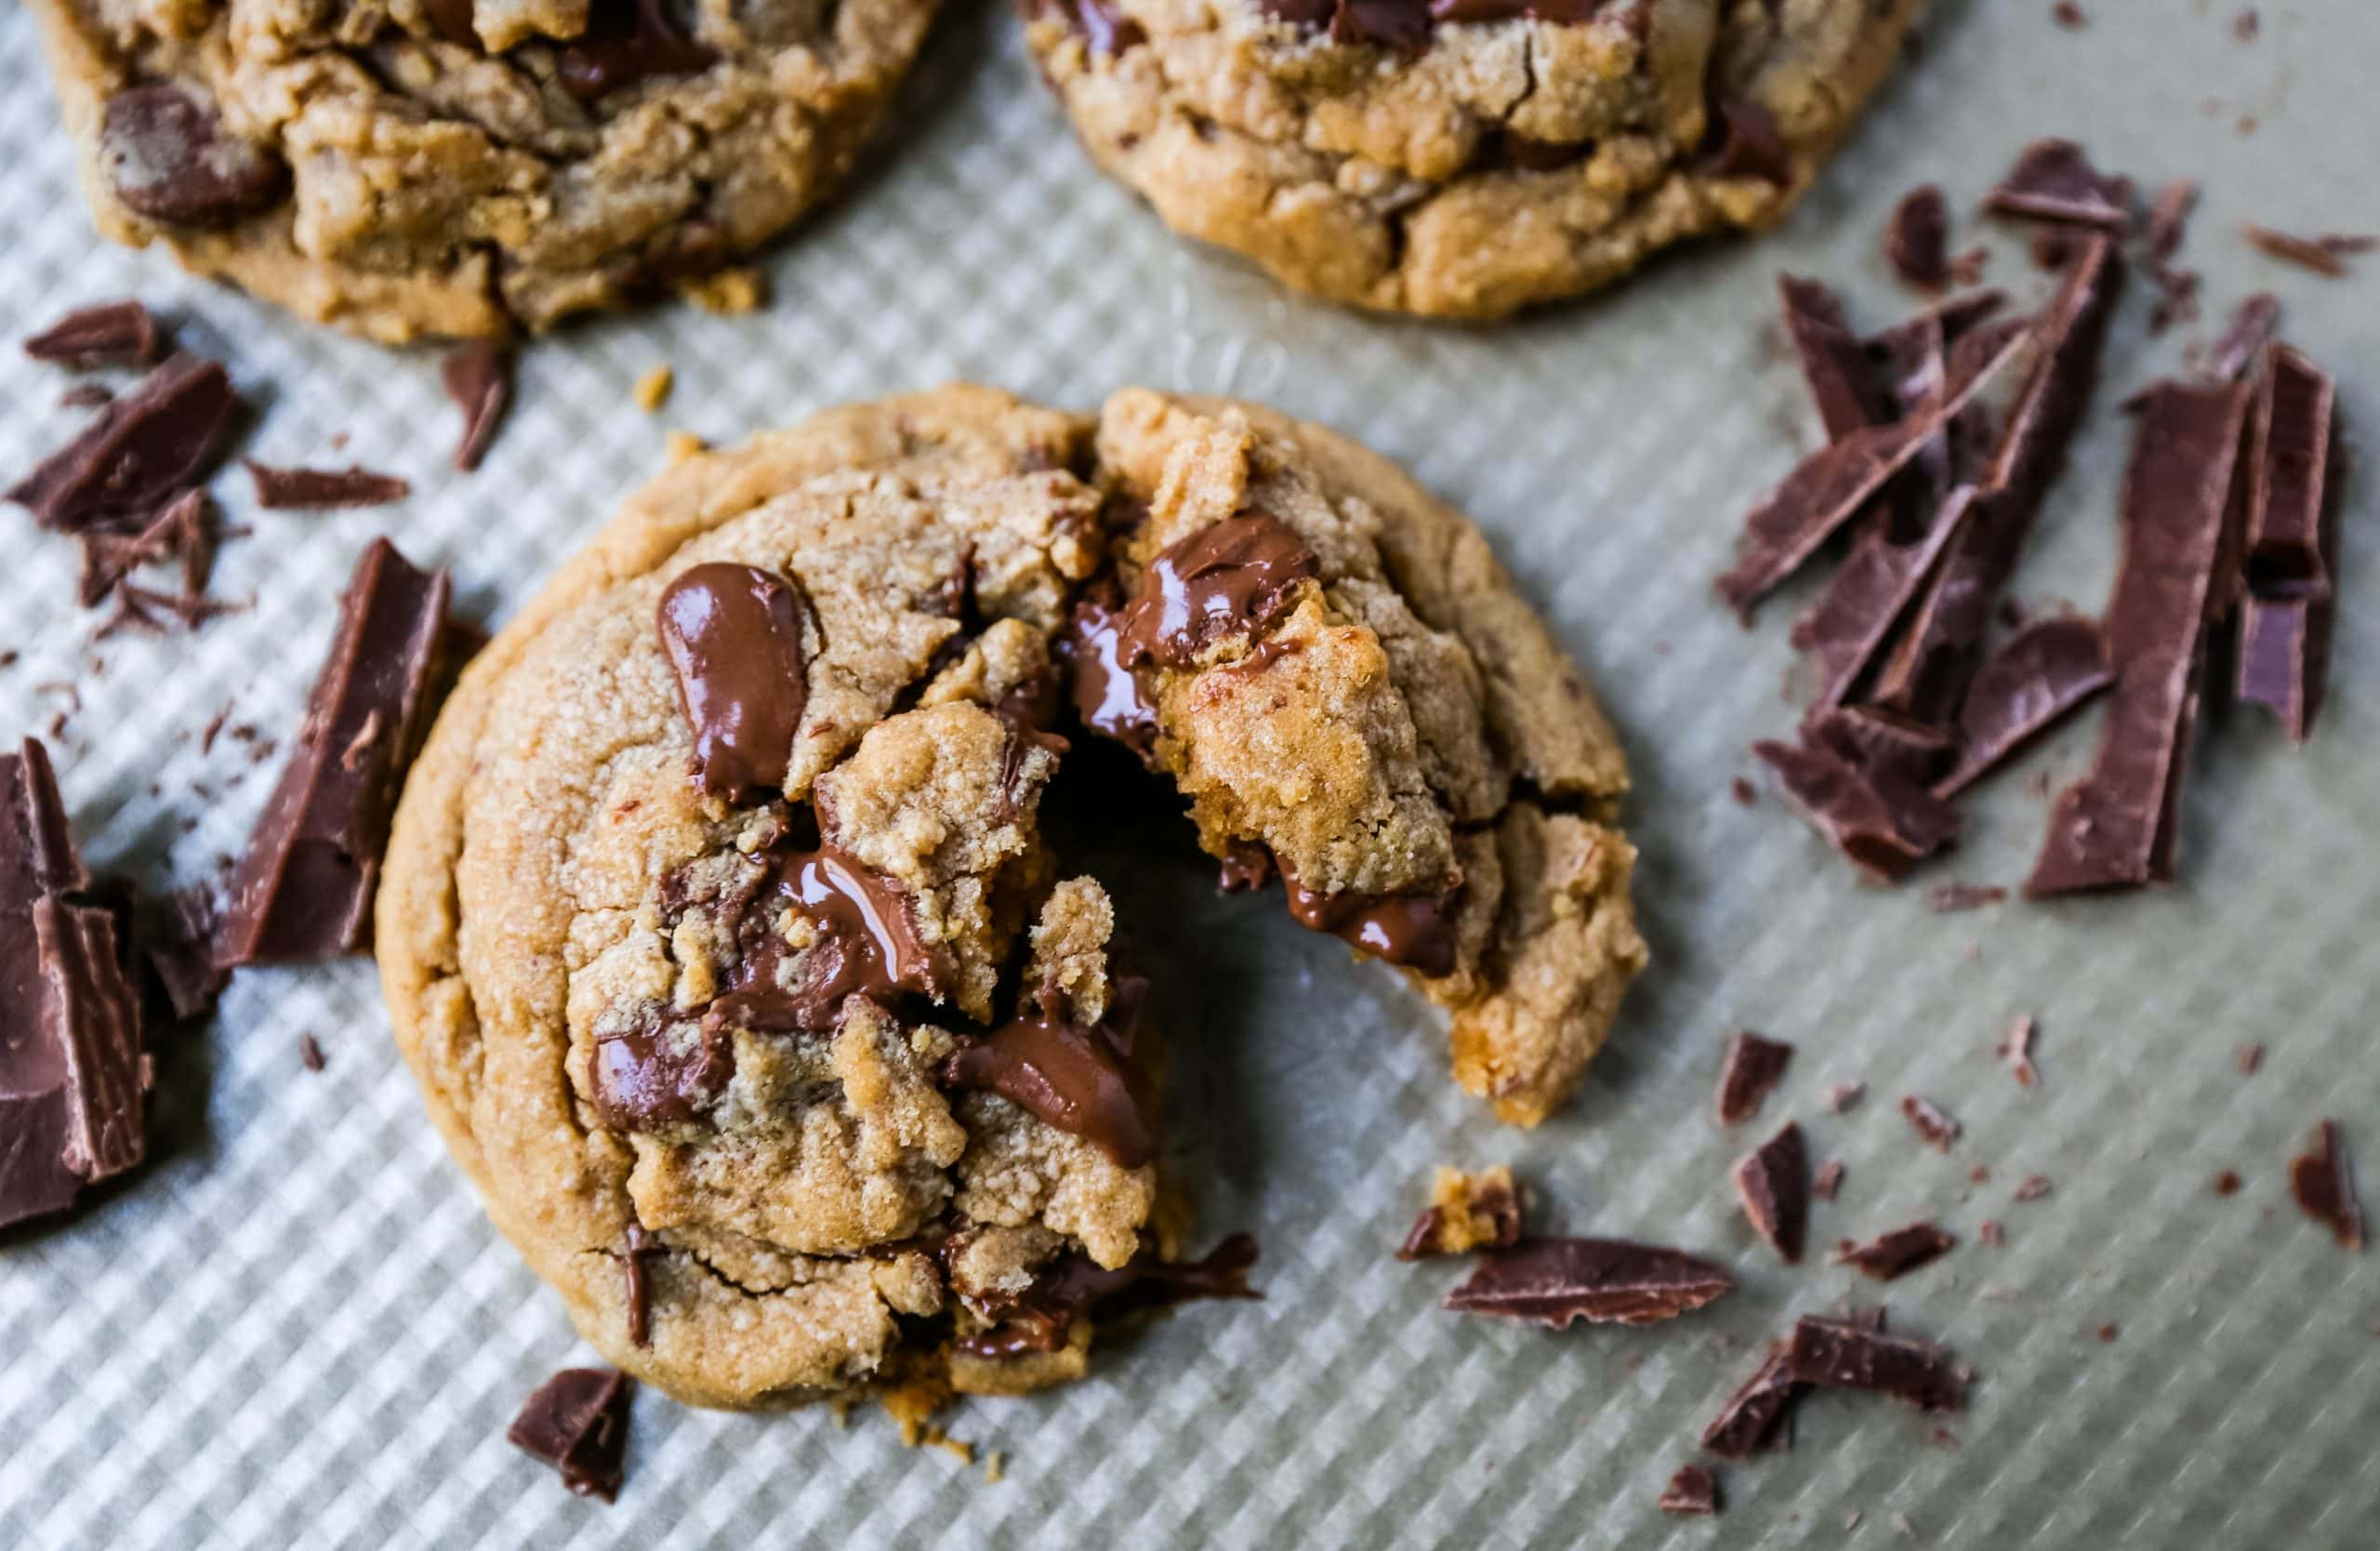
(403, 167)
(1462, 158)
(723, 935)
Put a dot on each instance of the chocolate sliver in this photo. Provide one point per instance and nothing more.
(1917, 239)
(577, 1422)
(1693, 1492)
(1557, 1282)
(324, 489)
(646, 1079)
(2054, 180)
(94, 1013)
(1835, 363)
(139, 451)
(164, 155)
(1040, 1319)
(1846, 631)
(1773, 1184)
(1753, 1419)
(1414, 932)
(1107, 694)
(625, 41)
(1229, 578)
(2287, 543)
(2115, 828)
(303, 890)
(2324, 1186)
(1845, 1354)
(2042, 674)
(2254, 324)
(2325, 256)
(111, 334)
(735, 637)
(478, 376)
(1882, 745)
(1902, 1250)
(1078, 1078)
(2283, 648)
(1883, 825)
(1933, 1125)
(1749, 1074)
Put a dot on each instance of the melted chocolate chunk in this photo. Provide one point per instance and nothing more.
(1088, 1080)
(2285, 619)
(1232, 578)
(1693, 1492)
(478, 376)
(668, 1075)
(111, 334)
(1556, 1281)
(637, 1244)
(2324, 1187)
(166, 157)
(303, 891)
(1754, 1418)
(1107, 694)
(733, 634)
(138, 452)
(1773, 1183)
(2115, 828)
(1934, 1126)
(864, 942)
(1917, 243)
(2054, 180)
(1415, 932)
(1246, 867)
(1891, 1255)
(1040, 1318)
(1886, 825)
(577, 1422)
(1749, 1074)
(625, 41)
(2042, 674)
(1751, 144)
(1843, 1354)
(324, 489)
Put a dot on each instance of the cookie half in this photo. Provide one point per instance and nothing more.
(722, 934)
(1462, 158)
(466, 167)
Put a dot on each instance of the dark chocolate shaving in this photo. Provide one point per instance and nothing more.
(1751, 1072)
(1755, 1417)
(324, 489)
(111, 334)
(2253, 326)
(1773, 1183)
(478, 376)
(2326, 255)
(2040, 676)
(164, 155)
(1934, 1126)
(1843, 1354)
(1917, 240)
(1848, 628)
(2054, 180)
(1693, 1492)
(1901, 1251)
(1834, 361)
(1884, 824)
(146, 447)
(1882, 745)
(577, 1422)
(1556, 1281)
(2324, 1186)
(864, 942)
(2285, 616)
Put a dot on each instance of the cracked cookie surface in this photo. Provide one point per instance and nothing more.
(721, 935)
(407, 167)
(1462, 158)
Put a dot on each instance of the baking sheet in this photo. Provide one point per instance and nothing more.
(295, 1327)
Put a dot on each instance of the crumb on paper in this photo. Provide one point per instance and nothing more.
(683, 444)
(958, 1448)
(994, 1467)
(728, 293)
(652, 388)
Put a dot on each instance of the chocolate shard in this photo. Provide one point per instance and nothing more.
(1917, 240)
(1556, 1281)
(1693, 1492)
(577, 1422)
(2291, 538)
(324, 489)
(179, 947)
(1755, 1417)
(2054, 180)
(166, 155)
(1466, 1213)
(1884, 824)
(1072, 1288)
(109, 334)
(1088, 1080)
(2254, 324)
(144, 447)
(2326, 255)
(1869, 593)
(1828, 1181)
(304, 889)
(1773, 1183)
(1843, 1354)
(1882, 745)
(737, 638)
(1749, 1074)
(2115, 828)
(1933, 1125)
(2168, 218)
(1896, 1253)
(2042, 674)
(478, 376)
(2324, 1187)
(1834, 361)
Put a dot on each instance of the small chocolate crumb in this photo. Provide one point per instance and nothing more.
(1947, 898)
(2108, 1331)
(1843, 1096)
(478, 376)
(1930, 1122)
(1979, 1174)
(1745, 793)
(2326, 255)
(2032, 1187)
(1556, 1281)
(577, 1422)
(1897, 1253)
(2227, 1183)
(1828, 1180)
(2016, 1050)
(1917, 238)
(324, 489)
(1989, 1232)
(1693, 1492)
(2248, 1058)
(1753, 1068)
(1773, 1183)
(111, 334)
(2246, 25)
(2068, 15)
(310, 1053)
(2324, 1185)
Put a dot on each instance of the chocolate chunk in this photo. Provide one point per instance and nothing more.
(1843, 1354)
(179, 529)
(1882, 745)
(1886, 825)
(304, 889)
(1917, 242)
(2324, 1185)
(1040, 1319)
(625, 41)
(478, 376)
(1556, 1281)
(577, 1422)
(1105, 30)
(166, 157)
(2227, 1183)
(180, 949)
(2286, 617)
(2040, 676)
(1088, 1080)
(2253, 326)
(2054, 180)
(2115, 828)
(668, 1074)
(1693, 1492)
(1869, 594)
(111, 334)
(1755, 1417)
(1773, 1183)
(2016, 1050)
(2326, 255)
(1415, 932)
(1834, 361)
(1829, 488)
(1936, 1128)
(138, 452)
(73, 1077)
(1751, 1072)
(864, 942)
(734, 636)
(1108, 693)
(1990, 1233)
(1468, 1212)
(1828, 1181)
(1230, 578)
(324, 489)
(1751, 144)
(1901, 1251)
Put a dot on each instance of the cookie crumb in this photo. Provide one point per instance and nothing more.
(994, 1467)
(652, 388)
(958, 1448)
(683, 444)
(728, 293)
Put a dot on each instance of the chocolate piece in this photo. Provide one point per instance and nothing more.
(1896, 1253)
(1773, 1183)
(2032, 1187)
(1107, 692)
(1868, 595)
(2016, 1050)
(2040, 676)
(864, 942)
(310, 1053)
(304, 889)
(111, 334)
(2324, 1185)
(1829, 489)
(2326, 255)
(1232, 577)
(1693, 1492)
(668, 1074)
(86, 395)
(1751, 1072)
(1835, 362)
(1556, 1281)
(140, 451)
(324, 489)
(1841, 1354)
(577, 1422)
(2248, 1058)
(1947, 898)
(734, 636)
(1467, 1213)
(2115, 828)
(478, 376)
(1884, 824)
(2068, 15)
(452, 19)
(1845, 1096)
(1040, 1319)
(1828, 1181)
(1751, 145)
(1106, 30)
(2227, 1183)
(2054, 180)
(1090, 1081)
(2286, 617)
(179, 947)
(2251, 332)
(179, 529)
(1415, 932)
(625, 41)
(164, 155)
(1927, 1119)
(1755, 1417)
(2168, 217)
(1743, 791)
(1917, 241)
